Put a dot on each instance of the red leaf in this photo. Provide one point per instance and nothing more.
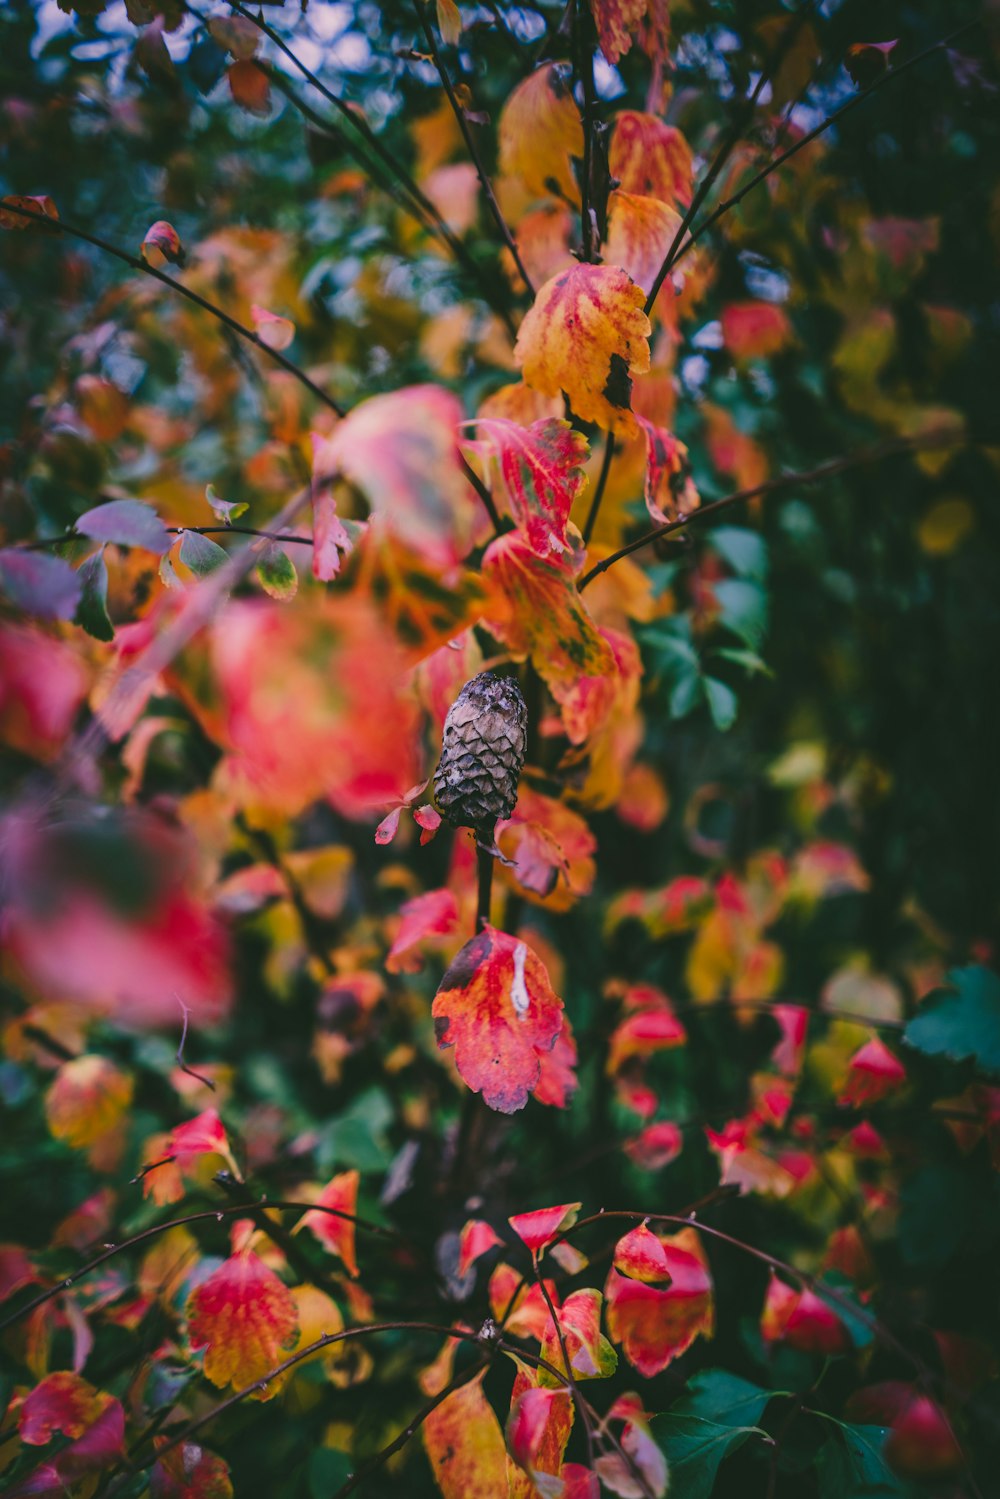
(497, 1008)
(641, 1256)
(801, 1319)
(249, 87)
(542, 468)
(873, 1073)
(519, 1304)
(245, 1318)
(655, 1325)
(189, 1472)
(476, 1239)
(534, 1410)
(538, 1228)
(669, 489)
(62, 1403)
(557, 1077)
(162, 243)
(656, 1146)
(753, 330)
(331, 538)
(40, 203)
(435, 913)
(337, 1234)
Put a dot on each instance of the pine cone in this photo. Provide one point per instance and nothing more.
(482, 753)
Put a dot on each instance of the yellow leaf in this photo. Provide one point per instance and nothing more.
(540, 130)
(583, 336)
(640, 232)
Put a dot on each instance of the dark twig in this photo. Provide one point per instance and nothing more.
(481, 490)
(574, 1388)
(484, 884)
(584, 56)
(471, 146)
(198, 1077)
(599, 488)
(782, 481)
(137, 264)
(678, 250)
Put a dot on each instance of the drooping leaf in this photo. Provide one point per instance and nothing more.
(161, 243)
(615, 21)
(331, 539)
(540, 131)
(465, 1446)
(542, 471)
(246, 1320)
(201, 554)
(650, 158)
(641, 230)
(533, 1413)
(669, 488)
(226, 510)
(401, 450)
(495, 1005)
(432, 914)
(189, 1472)
(38, 204)
(39, 584)
(276, 573)
(92, 610)
(249, 86)
(657, 1323)
(130, 523)
(334, 1232)
(545, 616)
(695, 1449)
(583, 336)
(962, 1020)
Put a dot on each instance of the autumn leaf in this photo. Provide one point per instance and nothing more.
(584, 334)
(86, 1106)
(802, 1319)
(591, 1356)
(38, 204)
(653, 1324)
(542, 468)
(465, 1446)
(402, 451)
(246, 1320)
(540, 131)
(754, 330)
(538, 1428)
(331, 539)
(274, 331)
(641, 230)
(476, 1239)
(616, 20)
(538, 1228)
(873, 1073)
(433, 914)
(188, 1471)
(551, 848)
(249, 86)
(544, 615)
(650, 158)
(161, 243)
(495, 1005)
(334, 1232)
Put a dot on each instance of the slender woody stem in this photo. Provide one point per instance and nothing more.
(602, 482)
(782, 481)
(471, 146)
(484, 889)
(138, 264)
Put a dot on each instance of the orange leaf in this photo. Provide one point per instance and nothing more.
(497, 1008)
(189, 1472)
(640, 232)
(542, 471)
(540, 131)
(249, 86)
(552, 849)
(537, 1431)
(519, 1304)
(87, 1103)
(656, 1325)
(583, 335)
(336, 1233)
(274, 331)
(41, 203)
(545, 618)
(615, 21)
(245, 1318)
(402, 450)
(650, 158)
(465, 1446)
(752, 330)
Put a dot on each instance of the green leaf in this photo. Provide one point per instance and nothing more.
(851, 1463)
(749, 660)
(685, 694)
(92, 610)
(745, 551)
(717, 1395)
(226, 510)
(328, 1470)
(722, 702)
(695, 1448)
(128, 523)
(276, 573)
(743, 609)
(357, 1138)
(201, 554)
(962, 1021)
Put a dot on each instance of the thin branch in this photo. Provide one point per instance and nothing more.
(574, 1388)
(415, 1422)
(729, 143)
(677, 251)
(602, 481)
(138, 264)
(189, 1071)
(205, 1216)
(782, 481)
(484, 885)
(482, 492)
(282, 536)
(471, 146)
(584, 57)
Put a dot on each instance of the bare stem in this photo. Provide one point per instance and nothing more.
(484, 872)
(602, 482)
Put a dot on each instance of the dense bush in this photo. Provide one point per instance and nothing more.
(647, 362)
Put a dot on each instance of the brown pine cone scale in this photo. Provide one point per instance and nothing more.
(482, 753)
